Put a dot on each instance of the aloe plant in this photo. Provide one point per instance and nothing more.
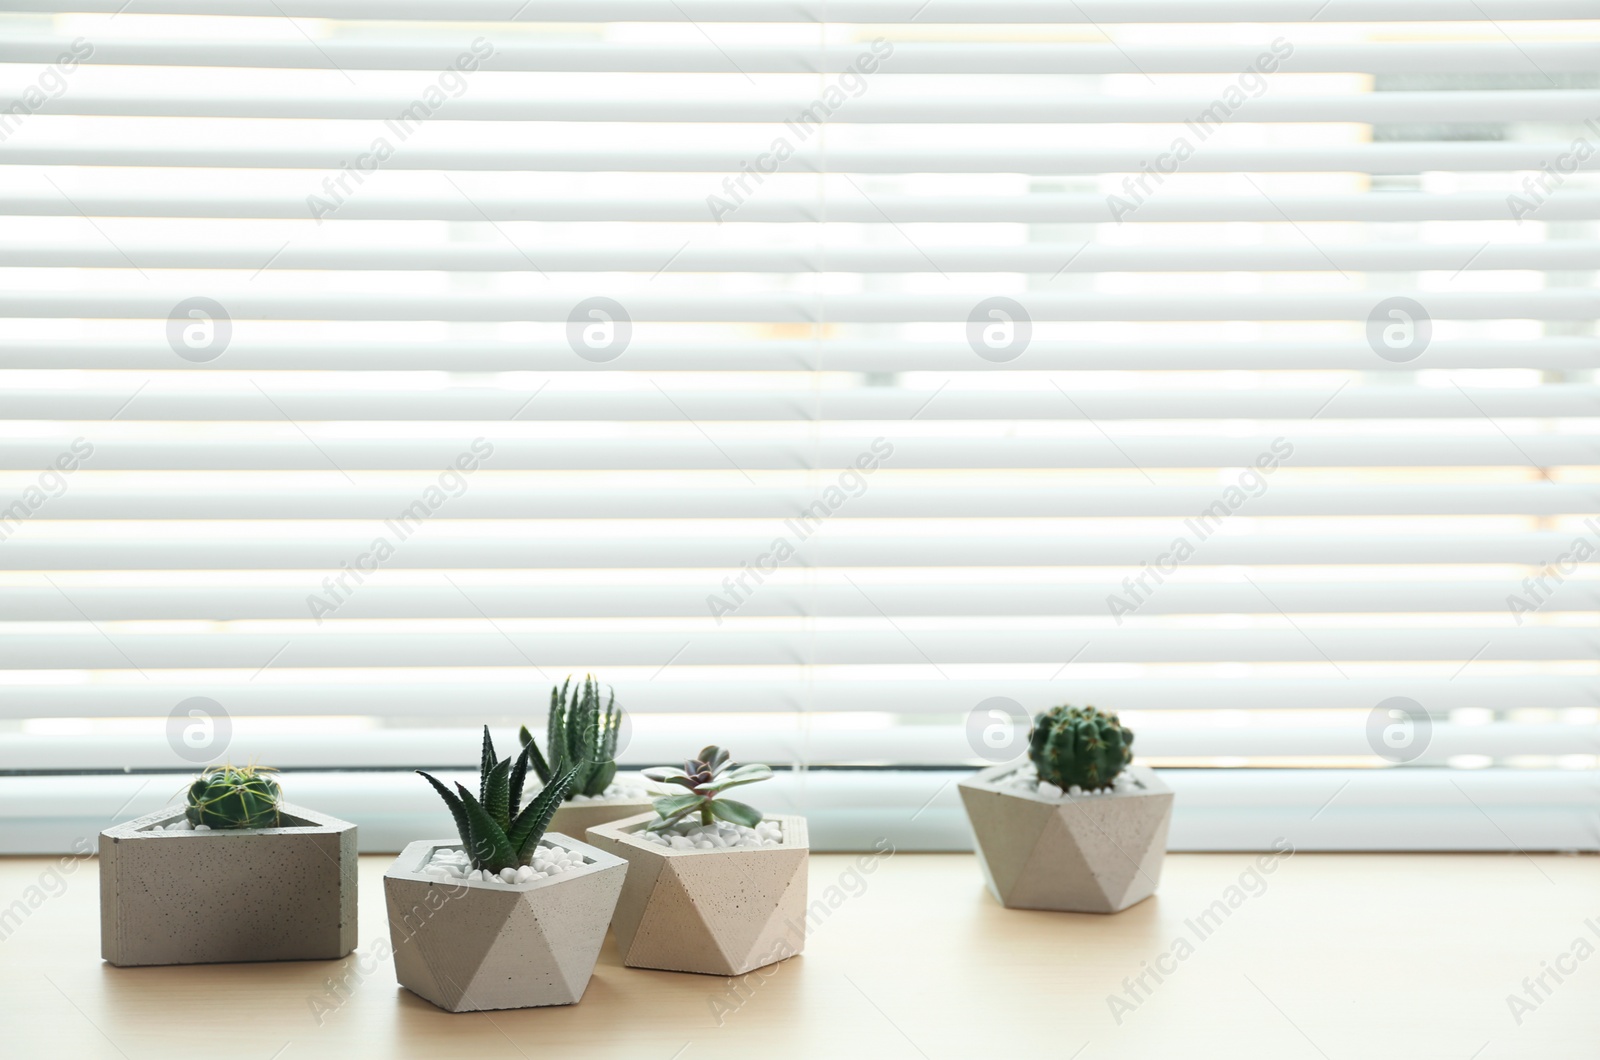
(490, 835)
(706, 777)
(577, 731)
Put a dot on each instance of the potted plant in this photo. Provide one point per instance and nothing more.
(1077, 827)
(577, 730)
(508, 915)
(233, 874)
(714, 885)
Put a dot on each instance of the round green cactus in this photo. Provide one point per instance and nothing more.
(1079, 747)
(234, 797)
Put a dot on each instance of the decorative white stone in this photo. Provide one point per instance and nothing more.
(470, 945)
(719, 834)
(1093, 853)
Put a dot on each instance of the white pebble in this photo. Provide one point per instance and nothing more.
(548, 861)
(202, 828)
(720, 835)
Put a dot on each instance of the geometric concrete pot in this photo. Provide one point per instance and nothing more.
(228, 895)
(1082, 854)
(469, 945)
(577, 816)
(717, 912)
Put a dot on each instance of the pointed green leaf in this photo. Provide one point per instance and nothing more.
(497, 801)
(675, 805)
(540, 767)
(457, 810)
(486, 765)
(530, 825)
(673, 776)
(556, 741)
(737, 812)
(489, 848)
(731, 781)
(555, 726)
(519, 776)
(610, 730)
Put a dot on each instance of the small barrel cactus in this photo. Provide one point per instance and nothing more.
(1079, 747)
(234, 797)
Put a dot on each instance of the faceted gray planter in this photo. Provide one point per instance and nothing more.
(1083, 854)
(255, 894)
(576, 817)
(717, 912)
(467, 945)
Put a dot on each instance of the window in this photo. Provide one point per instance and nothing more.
(840, 381)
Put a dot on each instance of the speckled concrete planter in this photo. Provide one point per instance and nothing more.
(717, 912)
(576, 817)
(1085, 854)
(257, 894)
(468, 946)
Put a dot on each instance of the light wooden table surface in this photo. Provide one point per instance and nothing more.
(1359, 956)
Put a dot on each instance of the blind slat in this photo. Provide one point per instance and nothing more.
(441, 550)
(932, 12)
(252, 692)
(685, 447)
(106, 646)
(795, 594)
(956, 306)
(246, 403)
(1550, 105)
(206, 200)
(1371, 158)
(439, 53)
(221, 495)
(137, 352)
(181, 252)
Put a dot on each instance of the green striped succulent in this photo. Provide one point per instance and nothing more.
(578, 731)
(490, 835)
(706, 777)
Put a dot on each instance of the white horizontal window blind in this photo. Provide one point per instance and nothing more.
(841, 381)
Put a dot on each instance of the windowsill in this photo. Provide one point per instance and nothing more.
(1411, 809)
(1372, 955)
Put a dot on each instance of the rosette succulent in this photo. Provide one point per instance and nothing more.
(706, 777)
(490, 835)
(234, 797)
(577, 731)
(1079, 747)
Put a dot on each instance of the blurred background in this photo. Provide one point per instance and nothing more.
(672, 276)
